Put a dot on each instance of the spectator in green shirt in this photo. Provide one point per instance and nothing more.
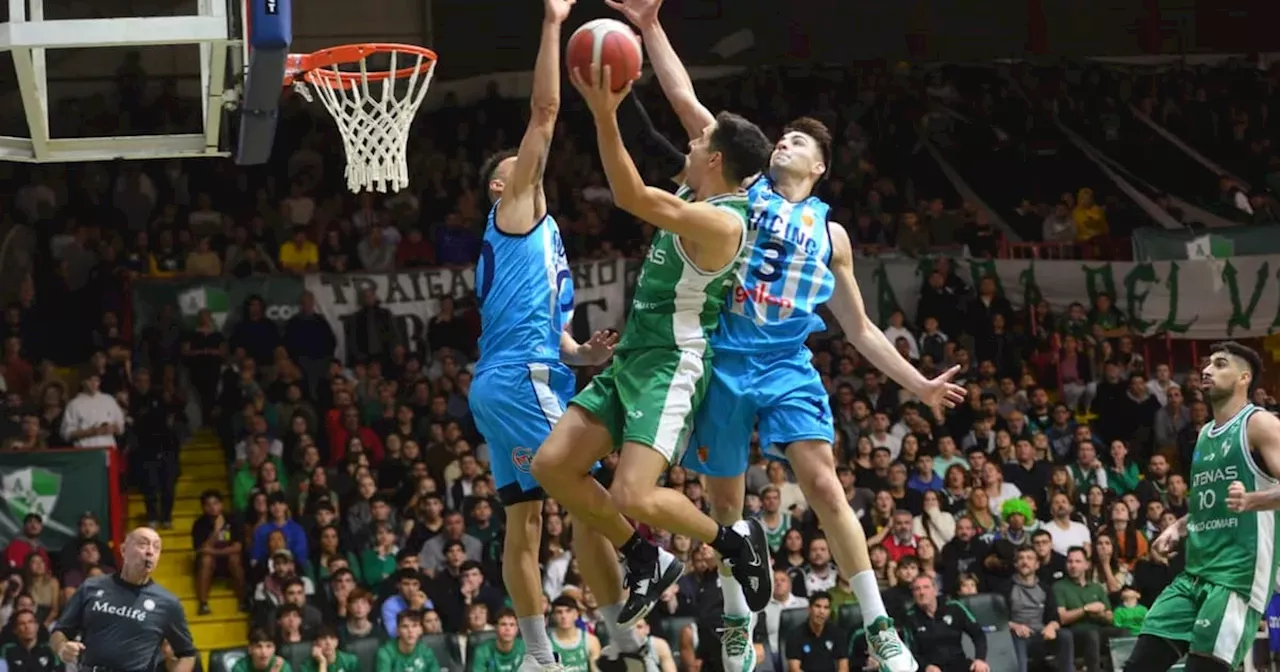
(482, 525)
(504, 653)
(407, 652)
(1122, 475)
(245, 480)
(262, 655)
(1130, 614)
(379, 562)
(325, 656)
(1084, 607)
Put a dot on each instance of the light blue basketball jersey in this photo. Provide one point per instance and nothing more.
(774, 303)
(525, 290)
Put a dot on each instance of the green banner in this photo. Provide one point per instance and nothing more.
(60, 485)
(1153, 244)
(224, 297)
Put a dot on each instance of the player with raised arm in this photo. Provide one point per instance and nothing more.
(1212, 609)
(525, 290)
(763, 372)
(644, 402)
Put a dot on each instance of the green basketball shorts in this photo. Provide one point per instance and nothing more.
(1215, 621)
(649, 397)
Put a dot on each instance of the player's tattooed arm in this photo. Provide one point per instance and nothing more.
(1264, 438)
(523, 202)
(672, 75)
(851, 312)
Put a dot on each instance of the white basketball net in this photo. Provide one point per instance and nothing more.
(374, 121)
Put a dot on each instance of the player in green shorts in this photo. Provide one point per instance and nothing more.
(506, 651)
(1212, 609)
(645, 401)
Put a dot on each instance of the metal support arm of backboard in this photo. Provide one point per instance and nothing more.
(27, 35)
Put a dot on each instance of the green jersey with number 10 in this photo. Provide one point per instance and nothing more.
(1234, 550)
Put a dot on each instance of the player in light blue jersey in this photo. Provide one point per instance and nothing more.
(522, 385)
(763, 371)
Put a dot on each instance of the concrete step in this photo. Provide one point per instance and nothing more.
(205, 472)
(182, 521)
(220, 633)
(223, 606)
(191, 455)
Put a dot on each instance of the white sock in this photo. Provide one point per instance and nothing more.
(536, 642)
(626, 640)
(868, 591)
(735, 600)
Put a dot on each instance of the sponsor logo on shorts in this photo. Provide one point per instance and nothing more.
(704, 454)
(522, 459)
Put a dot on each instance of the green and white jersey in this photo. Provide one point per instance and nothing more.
(574, 657)
(677, 305)
(1234, 550)
(775, 535)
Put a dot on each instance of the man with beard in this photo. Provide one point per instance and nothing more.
(26, 653)
(1213, 607)
(700, 592)
(1033, 616)
(1066, 533)
(963, 554)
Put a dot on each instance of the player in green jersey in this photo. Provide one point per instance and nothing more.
(1212, 609)
(645, 401)
(506, 651)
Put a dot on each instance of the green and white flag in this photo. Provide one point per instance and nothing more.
(31, 490)
(210, 297)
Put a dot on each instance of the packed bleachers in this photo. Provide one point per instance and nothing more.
(358, 505)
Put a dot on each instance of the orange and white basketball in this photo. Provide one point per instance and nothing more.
(606, 42)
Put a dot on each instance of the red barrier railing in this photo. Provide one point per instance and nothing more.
(1108, 249)
(118, 518)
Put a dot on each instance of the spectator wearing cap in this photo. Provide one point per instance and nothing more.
(15, 554)
(280, 571)
(278, 518)
(89, 529)
(92, 419)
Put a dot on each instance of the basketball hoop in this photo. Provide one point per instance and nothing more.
(374, 120)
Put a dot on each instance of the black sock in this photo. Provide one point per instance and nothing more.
(638, 550)
(728, 544)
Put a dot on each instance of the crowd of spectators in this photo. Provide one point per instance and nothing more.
(361, 518)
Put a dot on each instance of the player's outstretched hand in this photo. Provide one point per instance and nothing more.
(70, 652)
(1164, 544)
(1237, 497)
(940, 392)
(595, 89)
(558, 10)
(641, 13)
(599, 348)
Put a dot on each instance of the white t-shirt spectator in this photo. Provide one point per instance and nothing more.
(86, 411)
(301, 210)
(894, 333)
(1075, 534)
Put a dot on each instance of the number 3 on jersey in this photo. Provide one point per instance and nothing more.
(775, 259)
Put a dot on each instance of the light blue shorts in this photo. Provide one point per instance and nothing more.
(782, 392)
(515, 407)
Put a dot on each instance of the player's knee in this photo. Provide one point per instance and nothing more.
(544, 468)
(726, 497)
(524, 527)
(823, 490)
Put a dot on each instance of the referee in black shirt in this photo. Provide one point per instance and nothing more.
(933, 630)
(124, 619)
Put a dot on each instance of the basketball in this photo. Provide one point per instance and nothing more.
(606, 42)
